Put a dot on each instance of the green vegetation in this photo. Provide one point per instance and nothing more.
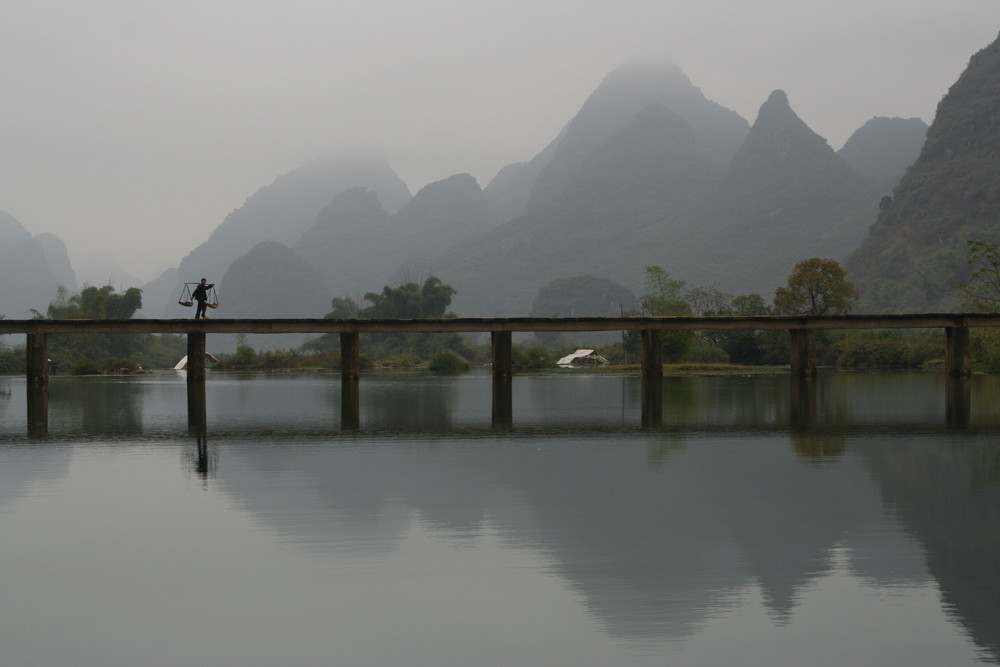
(447, 362)
(86, 354)
(406, 301)
(816, 287)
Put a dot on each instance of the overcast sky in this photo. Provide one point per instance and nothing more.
(132, 127)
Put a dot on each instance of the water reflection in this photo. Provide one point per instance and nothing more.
(417, 402)
(754, 491)
(656, 550)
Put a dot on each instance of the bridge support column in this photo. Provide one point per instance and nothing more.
(651, 341)
(957, 360)
(197, 417)
(196, 357)
(803, 359)
(350, 355)
(350, 381)
(503, 372)
(37, 383)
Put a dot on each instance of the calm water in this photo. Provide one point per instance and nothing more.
(748, 529)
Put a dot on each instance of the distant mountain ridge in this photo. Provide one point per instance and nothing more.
(648, 172)
(625, 92)
(885, 147)
(649, 196)
(31, 268)
(279, 212)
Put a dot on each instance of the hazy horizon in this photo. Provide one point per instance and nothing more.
(133, 129)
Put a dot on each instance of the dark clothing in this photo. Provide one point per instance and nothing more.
(200, 294)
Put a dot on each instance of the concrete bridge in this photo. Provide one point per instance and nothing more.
(802, 332)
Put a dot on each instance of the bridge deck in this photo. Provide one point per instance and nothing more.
(498, 324)
(802, 332)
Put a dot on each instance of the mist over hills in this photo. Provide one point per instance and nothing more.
(648, 172)
(280, 212)
(786, 197)
(885, 147)
(358, 247)
(649, 196)
(625, 92)
(26, 268)
(274, 278)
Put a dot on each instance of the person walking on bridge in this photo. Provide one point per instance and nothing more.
(200, 295)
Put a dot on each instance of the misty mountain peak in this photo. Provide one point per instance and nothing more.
(355, 207)
(455, 205)
(11, 230)
(885, 147)
(782, 149)
(778, 98)
(649, 74)
(776, 114)
(624, 93)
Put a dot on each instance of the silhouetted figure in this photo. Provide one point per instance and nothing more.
(200, 295)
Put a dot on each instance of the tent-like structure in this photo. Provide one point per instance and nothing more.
(582, 358)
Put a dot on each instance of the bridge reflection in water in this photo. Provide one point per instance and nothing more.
(802, 337)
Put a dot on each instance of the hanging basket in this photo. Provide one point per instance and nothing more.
(185, 297)
(187, 300)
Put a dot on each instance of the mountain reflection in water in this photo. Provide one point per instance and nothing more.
(728, 536)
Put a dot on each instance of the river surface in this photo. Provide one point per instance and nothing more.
(745, 528)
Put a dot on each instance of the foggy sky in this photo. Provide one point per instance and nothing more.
(132, 127)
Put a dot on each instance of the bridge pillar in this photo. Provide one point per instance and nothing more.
(37, 383)
(350, 381)
(350, 355)
(503, 373)
(37, 358)
(651, 341)
(197, 417)
(803, 358)
(957, 360)
(196, 357)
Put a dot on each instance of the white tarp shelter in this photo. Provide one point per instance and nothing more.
(182, 364)
(583, 358)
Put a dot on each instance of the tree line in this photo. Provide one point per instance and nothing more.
(815, 286)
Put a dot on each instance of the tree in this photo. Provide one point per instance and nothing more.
(96, 352)
(343, 308)
(708, 300)
(93, 303)
(407, 301)
(663, 295)
(816, 287)
(410, 301)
